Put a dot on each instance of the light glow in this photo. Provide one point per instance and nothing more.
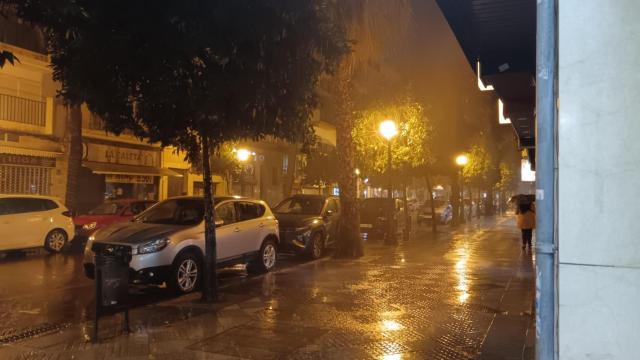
(462, 160)
(526, 174)
(243, 154)
(501, 118)
(388, 129)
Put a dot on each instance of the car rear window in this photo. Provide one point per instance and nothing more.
(248, 210)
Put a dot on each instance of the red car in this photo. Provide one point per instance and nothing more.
(109, 212)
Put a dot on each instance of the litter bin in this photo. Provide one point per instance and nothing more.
(112, 280)
(112, 285)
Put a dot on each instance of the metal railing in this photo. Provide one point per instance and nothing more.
(21, 110)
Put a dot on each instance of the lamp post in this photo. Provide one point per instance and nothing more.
(461, 161)
(243, 156)
(388, 130)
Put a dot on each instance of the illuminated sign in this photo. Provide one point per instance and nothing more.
(526, 174)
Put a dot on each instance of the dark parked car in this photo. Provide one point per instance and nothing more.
(373, 216)
(308, 223)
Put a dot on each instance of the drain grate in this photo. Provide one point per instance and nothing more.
(11, 336)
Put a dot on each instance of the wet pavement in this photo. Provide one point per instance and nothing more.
(467, 294)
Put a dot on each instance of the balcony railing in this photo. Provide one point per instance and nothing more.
(21, 110)
(96, 123)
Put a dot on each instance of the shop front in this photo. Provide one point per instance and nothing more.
(27, 174)
(119, 171)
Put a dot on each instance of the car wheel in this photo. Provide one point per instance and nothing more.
(266, 259)
(55, 241)
(316, 249)
(186, 273)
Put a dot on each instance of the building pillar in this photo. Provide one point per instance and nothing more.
(599, 179)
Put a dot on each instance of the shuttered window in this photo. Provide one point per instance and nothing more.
(25, 180)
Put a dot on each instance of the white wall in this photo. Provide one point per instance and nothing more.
(599, 179)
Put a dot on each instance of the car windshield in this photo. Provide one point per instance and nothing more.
(300, 205)
(108, 208)
(174, 212)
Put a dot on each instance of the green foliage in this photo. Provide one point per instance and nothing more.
(410, 148)
(174, 72)
(7, 57)
(477, 172)
(508, 178)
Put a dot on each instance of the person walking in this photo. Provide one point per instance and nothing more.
(526, 221)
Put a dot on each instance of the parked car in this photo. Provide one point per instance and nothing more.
(166, 242)
(28, 221)
(373, 216)
(444, 212)
(107, 213)
(308, 223)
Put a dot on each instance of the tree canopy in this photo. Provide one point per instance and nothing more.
(410, 147)
(193, 74)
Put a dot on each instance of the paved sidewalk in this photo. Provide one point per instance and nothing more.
(465, 295)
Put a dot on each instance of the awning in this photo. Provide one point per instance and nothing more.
(121, 169)
(28, 152)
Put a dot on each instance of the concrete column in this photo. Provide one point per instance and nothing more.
(599, 179)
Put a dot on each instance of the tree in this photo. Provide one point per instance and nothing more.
(410, 150)
(373, 27)
(193, 75)
(7, 57)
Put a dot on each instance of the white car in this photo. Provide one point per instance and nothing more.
(29, 221)
(165, 243)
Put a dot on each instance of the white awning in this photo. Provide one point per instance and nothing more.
(28, 152)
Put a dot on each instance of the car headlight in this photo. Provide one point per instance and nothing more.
(152, 246)
(89, 226)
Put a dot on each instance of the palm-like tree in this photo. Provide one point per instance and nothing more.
(374, 26)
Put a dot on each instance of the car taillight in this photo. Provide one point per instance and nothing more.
(66, 213)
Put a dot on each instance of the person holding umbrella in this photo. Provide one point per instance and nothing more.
(526, 221)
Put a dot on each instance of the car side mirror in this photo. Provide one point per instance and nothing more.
(219, 222)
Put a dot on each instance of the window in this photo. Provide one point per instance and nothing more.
(137, 208)
(175, 212)
(226, 213)
(50, 204)
(23, 205)
(248, 211)
(300, 205)
(25, 180)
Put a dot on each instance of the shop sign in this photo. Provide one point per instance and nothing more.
(121, 155)
(11, 159)
(128, 179)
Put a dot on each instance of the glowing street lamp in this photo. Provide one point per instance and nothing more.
(389, 130)
(461, 160)
(243, 155)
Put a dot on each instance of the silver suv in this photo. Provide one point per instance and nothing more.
(166, 242)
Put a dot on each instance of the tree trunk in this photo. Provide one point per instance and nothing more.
(455, 199)
(210, 285)
(489, 209)
(349, 243)
(407, 218)
(74, 138)
(434, 220)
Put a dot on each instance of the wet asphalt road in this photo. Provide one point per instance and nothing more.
(38, 288)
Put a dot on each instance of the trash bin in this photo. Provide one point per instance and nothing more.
(112, 285)
(112, 280)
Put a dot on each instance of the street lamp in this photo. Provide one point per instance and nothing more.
(243, 156)
(389, 130)
(461, 160)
